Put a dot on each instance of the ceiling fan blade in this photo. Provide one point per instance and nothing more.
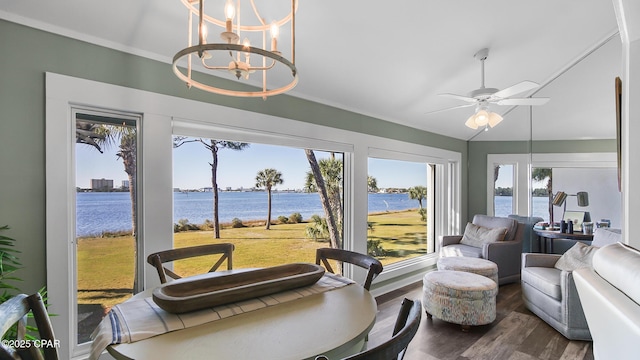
(522, 101)
(515, 89)
(447, 109)
(460, 97)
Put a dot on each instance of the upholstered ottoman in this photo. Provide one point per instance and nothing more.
(478, 266)
(459, 297)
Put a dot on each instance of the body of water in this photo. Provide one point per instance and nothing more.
(100, 212)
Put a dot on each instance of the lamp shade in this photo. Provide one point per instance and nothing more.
(559, 199)
(583, 198)
(471, 122)
(494, 119)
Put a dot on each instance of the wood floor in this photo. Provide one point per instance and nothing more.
(516, 334)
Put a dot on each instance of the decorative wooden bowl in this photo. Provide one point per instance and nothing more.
(213, 289)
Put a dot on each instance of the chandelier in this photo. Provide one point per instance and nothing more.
(248, 44)
(483, 117)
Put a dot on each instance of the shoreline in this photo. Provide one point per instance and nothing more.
(227, 225)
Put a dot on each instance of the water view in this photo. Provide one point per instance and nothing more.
(99, 212)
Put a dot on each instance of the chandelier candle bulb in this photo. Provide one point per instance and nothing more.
(229, 13)
(275, 31)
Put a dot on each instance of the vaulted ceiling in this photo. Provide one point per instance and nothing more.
(391, 59)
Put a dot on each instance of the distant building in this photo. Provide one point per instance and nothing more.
(101, 184)
(125, 184)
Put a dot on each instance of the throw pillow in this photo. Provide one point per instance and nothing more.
(579, 256)
(475, 235)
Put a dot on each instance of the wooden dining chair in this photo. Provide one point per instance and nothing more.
(158, 259)
(406, 326)
(323, 255)
(14, 312)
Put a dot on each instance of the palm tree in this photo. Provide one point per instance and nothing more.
(318, 183)
(214, 146)
(329, 192)
(267, 179)
(331, 170)
(418, 193)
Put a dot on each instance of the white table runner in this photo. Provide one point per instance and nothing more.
(136, 320)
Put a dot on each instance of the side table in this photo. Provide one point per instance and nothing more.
(547, 236)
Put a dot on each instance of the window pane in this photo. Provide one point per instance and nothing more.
(106, 168)
(249, 177)
(503, 190)
(400, 204)
(541, 183)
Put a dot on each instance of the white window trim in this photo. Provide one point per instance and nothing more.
(520, 163)
(160, 114)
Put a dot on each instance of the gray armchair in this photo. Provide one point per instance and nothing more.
(506, 254)
(551, 293)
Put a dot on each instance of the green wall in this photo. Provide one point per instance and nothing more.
(477, 166)
(28, 53)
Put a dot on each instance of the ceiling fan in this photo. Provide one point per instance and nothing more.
(482, 97)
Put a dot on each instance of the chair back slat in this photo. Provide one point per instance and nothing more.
(373, 265)
(158, 259)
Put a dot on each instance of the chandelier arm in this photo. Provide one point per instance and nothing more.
(268, 67)
(250, 68)
(255, 11)
(236, 47)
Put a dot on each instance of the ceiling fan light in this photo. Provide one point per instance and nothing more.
(494, 119)
(482, 118)
(471, 122)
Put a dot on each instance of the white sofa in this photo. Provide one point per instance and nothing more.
(610, 296)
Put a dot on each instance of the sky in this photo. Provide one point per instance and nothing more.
(239, 168)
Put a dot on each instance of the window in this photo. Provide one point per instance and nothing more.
(106, 216)
(164, 117)
(400, 205)
(541, 184)
(507, 183)
(250, 183)
(503, 190)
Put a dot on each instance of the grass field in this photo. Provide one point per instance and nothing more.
(105, 265)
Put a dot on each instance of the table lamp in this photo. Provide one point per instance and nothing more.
(560, 200)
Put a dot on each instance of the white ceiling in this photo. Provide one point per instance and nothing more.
(390, 59)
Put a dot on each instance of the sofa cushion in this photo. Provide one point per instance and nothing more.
(619, 264)
(544, 279)
(606, 236)
(578, 256)
(475, 235)
(494, 222)
(461, 250)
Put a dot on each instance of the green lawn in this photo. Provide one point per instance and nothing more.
(105, 265)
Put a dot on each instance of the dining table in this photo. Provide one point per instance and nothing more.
(334, 323)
